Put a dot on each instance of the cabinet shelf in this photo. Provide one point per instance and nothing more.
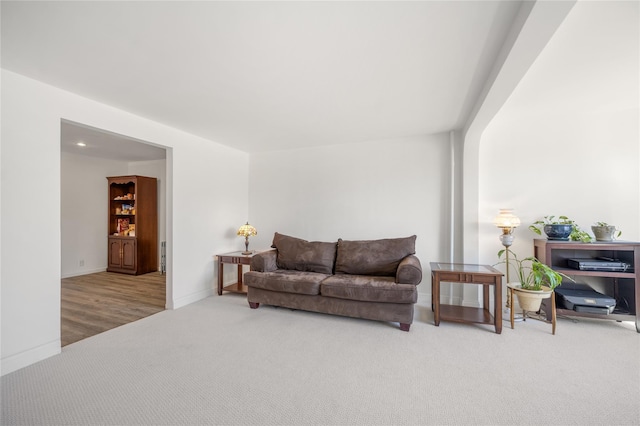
(607, 274)
(614, 316)
(622, 286)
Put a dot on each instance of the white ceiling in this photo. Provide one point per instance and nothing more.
(267, 75)
(590, 65)
(102, 144)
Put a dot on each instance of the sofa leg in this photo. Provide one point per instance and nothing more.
(404, 327)
(254, 305)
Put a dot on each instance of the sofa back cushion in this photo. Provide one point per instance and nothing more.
(301, 255)
(374, 257)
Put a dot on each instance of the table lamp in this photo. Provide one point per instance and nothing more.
(246, 231)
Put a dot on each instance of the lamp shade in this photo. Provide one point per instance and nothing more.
(506, 219)
(247, 230)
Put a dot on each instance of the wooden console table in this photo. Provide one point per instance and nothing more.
(624, 286)
(483, 275)
(236, 258)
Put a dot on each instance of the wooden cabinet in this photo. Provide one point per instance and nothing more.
(133, 225)
(624, 287)
(122, 254)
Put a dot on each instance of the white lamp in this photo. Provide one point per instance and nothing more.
(508, 222)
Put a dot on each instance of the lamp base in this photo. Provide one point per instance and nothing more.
(247, 252)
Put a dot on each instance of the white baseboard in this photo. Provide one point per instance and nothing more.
(191, 298)
(84, 272)
(470, 303)
(31, 356)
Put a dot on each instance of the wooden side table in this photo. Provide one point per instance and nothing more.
(462, 273)
(236, 258)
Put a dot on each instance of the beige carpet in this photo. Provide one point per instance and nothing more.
(218, 362)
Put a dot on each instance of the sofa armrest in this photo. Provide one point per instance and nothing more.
(264, 261)
(409, 271)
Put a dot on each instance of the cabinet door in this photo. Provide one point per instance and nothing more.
(129, 254)
(115, 258)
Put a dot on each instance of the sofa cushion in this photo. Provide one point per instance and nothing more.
(286, 281)
(301, 255)
(374, 257)
(368, 289)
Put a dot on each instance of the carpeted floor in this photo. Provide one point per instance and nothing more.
(219, 362)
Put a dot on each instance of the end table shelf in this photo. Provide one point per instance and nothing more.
(465, 314)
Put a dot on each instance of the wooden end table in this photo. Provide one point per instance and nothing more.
(462, 273)
(236, 258)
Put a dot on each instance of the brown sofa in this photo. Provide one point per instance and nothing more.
(362, 279)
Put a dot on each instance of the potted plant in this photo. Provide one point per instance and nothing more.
(560, 229)
(605, 232)
(536, 280)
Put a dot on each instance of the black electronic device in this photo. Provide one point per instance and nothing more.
(584, 299)
(598, 264)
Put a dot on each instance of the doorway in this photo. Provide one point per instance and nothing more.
(93, 300)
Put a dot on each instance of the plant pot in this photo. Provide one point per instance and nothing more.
(530, 300)
(604, 233)
(558, 232)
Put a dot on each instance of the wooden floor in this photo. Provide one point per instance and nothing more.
(94, 303)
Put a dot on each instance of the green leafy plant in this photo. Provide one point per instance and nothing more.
(533, 274)
(577, 234)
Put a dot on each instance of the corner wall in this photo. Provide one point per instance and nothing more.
(203, 211)
(566, 141)
(586, 168)
(83, 212)
(535, 25)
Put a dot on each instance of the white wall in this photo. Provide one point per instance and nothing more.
(522, 47)
(370, 190)
(579, 97)
(83, 208)
(566, 141)
(596, 181)
(202, 207)
(83, 212)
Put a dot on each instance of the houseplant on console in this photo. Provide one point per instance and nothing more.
(560, 229)
(536, 281)
(605, 232)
